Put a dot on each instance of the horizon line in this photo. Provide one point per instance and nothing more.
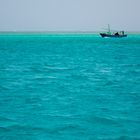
(59, 32)
(62, 30)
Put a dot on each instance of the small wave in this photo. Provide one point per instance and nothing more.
(3, 87)
(109, 82)
(103, 120)
(4, 129)
(121, 138)
(16, 68)
(58, 68)
(21, 128)
(78, 77)
(4, 119)
(130, 65)
(48, 69)
(67, 128)
(26, 129)
(44, 77)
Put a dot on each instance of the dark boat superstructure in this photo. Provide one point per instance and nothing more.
(113, 35)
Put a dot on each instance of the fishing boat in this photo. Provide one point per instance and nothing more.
(117, 34)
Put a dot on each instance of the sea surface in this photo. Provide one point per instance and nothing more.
(69, 87)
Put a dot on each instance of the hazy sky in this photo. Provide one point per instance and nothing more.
(69, 15)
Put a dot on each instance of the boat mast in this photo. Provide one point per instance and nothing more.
(109, 29)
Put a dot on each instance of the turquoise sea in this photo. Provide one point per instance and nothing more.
(69, 87)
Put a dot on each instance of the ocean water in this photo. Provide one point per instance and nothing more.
(69, 87)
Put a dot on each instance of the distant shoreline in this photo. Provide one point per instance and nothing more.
(58, 32)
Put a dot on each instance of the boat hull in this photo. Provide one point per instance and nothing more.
(112, 36)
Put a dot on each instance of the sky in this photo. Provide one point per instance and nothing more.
(69, 15)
